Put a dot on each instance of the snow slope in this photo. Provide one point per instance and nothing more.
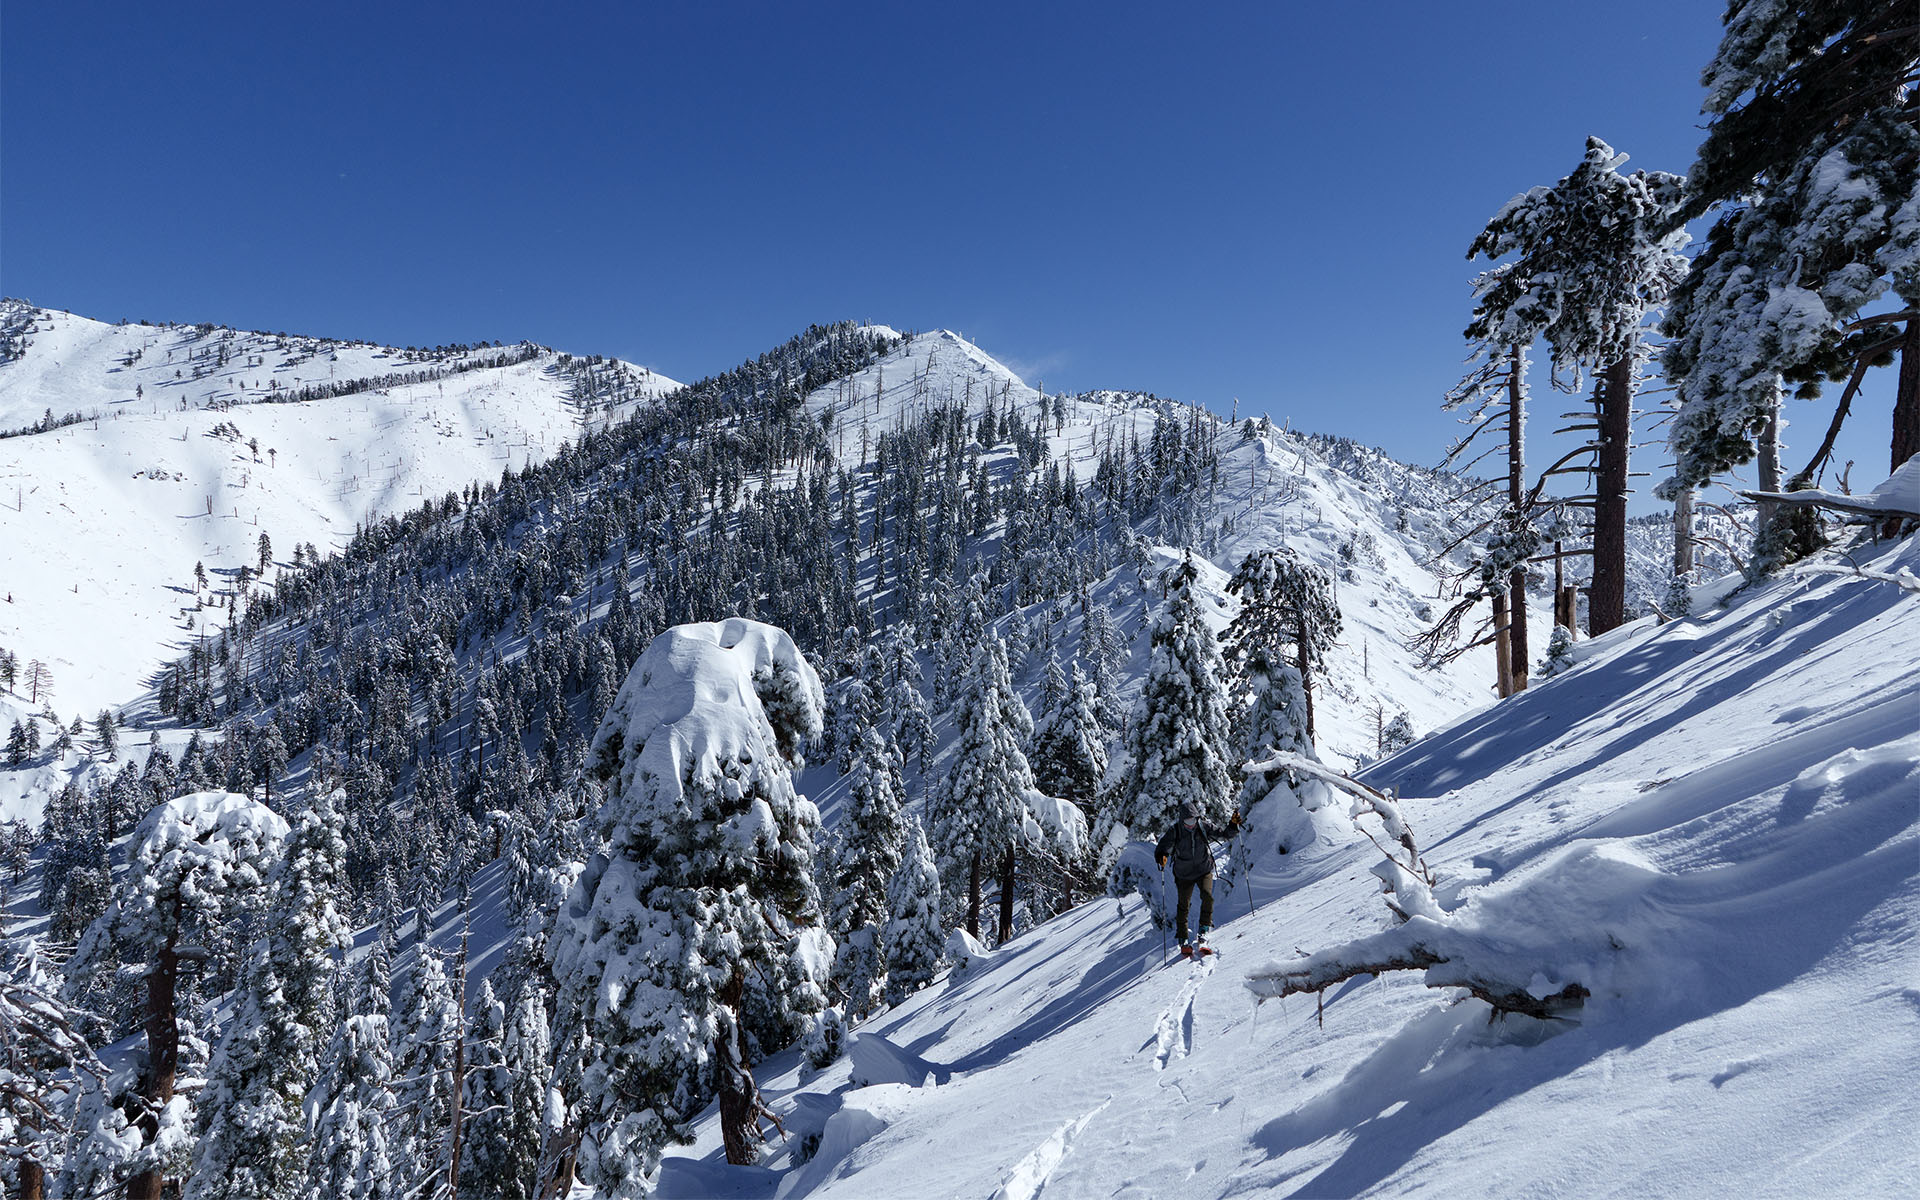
(101, 522)
(1715, 823)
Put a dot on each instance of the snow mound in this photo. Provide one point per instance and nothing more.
(704, 694)
(877, 1060)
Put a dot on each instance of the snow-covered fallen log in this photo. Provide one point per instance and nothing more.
(1428, 938)
(1450, 955)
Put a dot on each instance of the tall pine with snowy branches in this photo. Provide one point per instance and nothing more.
(1180, 742)
(700, 887)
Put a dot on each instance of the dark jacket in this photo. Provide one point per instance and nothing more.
(1187, 850)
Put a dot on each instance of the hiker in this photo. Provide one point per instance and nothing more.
(1186, 844)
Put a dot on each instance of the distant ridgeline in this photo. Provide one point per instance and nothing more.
(18, 318)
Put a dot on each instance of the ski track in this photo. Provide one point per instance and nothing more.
(1173, 1037)
(1030, 1174)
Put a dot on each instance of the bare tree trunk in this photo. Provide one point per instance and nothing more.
(1906, 410)
(163, 1062)
(459, 1057)
(33, 1180)
(1516, 496)
(1502, 648)
(1769, 468)
(1607, 600)
(1306, 686)
(1006, 899)
(973, 895)
(1683, 532)
(739, 1098)
(1906, 400)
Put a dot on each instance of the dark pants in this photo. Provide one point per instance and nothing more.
(1186, 886)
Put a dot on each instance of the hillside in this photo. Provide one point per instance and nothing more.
(190, 450)
(1712, 825)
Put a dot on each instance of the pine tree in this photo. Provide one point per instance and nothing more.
(1180, 740)
(977, 810)
(107, 735)
(489, 1165)
(353, 1106)
(1285, 601)
(867, 856)
(252, 1130)
(425, 1026)
(915, 933)
(1585, 261)
(42, 1056)
(701, 844)
(197, 862)
(1070, 745)
(1810, 158)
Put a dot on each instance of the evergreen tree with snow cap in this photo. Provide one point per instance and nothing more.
(1180, 740)
(252, 1129)
(1810, 158)
(1070, 747)
(699, 888)
(978, 810)
(425, 1027)
(197, 862)
(866, 858)
(353, 1108)
(915, 935)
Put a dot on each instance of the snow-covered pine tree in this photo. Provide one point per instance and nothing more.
(906, 705)
(1103, 647)
(1070, 745)
(915, 934)
(252, 1129)
(487, 1160)
(501, 1151)
(866, 857)
(43, 1057)
(976, 811)
(424, 1026)
(1586, 260)
(196, 863)
(1285, 601)
(1810, 156)
(1559, 655)
(1398, 734)
(353, 1107)
(1180, 739)
(700, 887)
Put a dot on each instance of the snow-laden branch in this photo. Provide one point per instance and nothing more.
(1407, 879)
(1428, 938)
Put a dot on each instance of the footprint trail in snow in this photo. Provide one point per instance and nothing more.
(1174, 1035)
(1031, 1173)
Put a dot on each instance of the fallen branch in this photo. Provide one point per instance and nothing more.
(1411, 947)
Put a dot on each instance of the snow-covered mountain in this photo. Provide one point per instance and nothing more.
(1708, 826)
(168, 446)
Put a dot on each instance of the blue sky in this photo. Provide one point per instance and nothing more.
(1270, 202)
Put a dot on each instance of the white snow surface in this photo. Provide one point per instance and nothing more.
(102, 522)
(1713, 824)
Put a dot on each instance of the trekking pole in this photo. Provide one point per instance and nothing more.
(1247, 874)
